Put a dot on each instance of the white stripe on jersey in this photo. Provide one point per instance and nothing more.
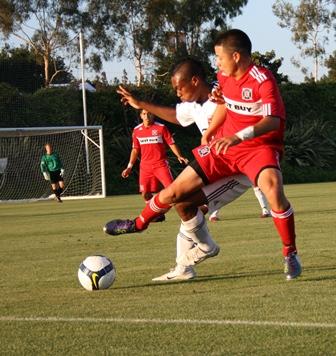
(142, 124)
(257, 75)
(266, 109)
(149, 140)
(243, 108)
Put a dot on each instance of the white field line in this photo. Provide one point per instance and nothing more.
(168, 321)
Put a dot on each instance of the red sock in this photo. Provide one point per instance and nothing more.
(152, 210)
(284, 222)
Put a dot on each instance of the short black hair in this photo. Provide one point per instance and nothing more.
(150, 115)
(236, 40)
(190, 67)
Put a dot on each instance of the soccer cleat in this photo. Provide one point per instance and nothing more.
(175, 274)
(214, 218)
(292, 266)
(58, 199)
(159, 218)
(196, 255)
(119, 227)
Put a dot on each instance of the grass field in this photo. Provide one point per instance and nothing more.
(240, 303)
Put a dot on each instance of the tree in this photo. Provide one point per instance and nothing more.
(187, 28)
(309, 22)
(330, 63)
(43, 25)
(155, 32)
(20, 69)
(120, 28)
(269, 61)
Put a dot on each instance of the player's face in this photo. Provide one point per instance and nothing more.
(146, 118)
(186, 90)
(227, 61)
(48, 149)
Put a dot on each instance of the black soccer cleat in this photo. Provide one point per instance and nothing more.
(120, 227)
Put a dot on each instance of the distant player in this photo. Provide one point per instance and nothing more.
(150, 139)
(53, 171)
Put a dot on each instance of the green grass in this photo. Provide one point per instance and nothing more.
(42, 245)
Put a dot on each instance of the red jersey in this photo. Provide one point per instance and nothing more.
(151, 142)
(248, 100)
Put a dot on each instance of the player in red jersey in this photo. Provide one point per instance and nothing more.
(249, 139)
(149, 141)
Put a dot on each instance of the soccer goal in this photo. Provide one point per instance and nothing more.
(81, 151)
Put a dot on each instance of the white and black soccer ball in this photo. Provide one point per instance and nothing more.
(96, 272)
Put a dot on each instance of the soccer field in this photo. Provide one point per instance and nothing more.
(240, 303)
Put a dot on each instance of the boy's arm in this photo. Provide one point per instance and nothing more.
(217, 120)
(178, 154)
(163, 112)
(133, 157)
(44, 169)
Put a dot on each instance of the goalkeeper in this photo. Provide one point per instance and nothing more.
(53, 171)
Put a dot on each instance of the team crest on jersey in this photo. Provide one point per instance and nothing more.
(247, 94)
(154, 132)
(204, 151)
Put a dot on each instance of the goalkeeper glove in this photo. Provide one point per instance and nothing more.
(62, 172)
(46, 175)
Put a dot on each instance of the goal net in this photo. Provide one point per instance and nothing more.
(80, 150)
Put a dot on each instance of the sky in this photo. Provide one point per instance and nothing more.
(261, 25)
(259, 22)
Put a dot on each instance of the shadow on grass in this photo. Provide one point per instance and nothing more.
(204, 278)
(210, 277)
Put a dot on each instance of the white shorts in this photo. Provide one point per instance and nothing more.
(225, 190)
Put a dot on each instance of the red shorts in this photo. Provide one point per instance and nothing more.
(249, 161)
(151, 176)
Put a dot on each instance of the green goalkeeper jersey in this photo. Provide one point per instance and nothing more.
(51, 163)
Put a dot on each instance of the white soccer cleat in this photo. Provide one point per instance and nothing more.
(196, 255)
(293, 267)
(176, 274)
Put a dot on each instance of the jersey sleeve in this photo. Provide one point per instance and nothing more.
(167, 136)
(135, 141)
(43, 165)
(272, 104)
(184, 113)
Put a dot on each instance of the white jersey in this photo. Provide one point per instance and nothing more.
(188, 113)
(227, 189)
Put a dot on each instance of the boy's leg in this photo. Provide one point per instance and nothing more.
(283, 218)
(183, 187)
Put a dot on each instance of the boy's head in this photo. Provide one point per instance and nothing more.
(48, 148)
(188, 78)
(233, 49)
(147, 117)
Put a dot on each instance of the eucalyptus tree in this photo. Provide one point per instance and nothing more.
(310, 23)
(43, 25)
(152, 31)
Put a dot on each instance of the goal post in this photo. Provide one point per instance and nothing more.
(81, 151)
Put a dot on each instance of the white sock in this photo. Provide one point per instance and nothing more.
(214, 214)
(261, 198)
(183, 244)
(197, 230)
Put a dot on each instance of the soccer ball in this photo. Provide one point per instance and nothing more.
(96, 272)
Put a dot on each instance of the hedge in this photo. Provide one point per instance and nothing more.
(63, 107)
